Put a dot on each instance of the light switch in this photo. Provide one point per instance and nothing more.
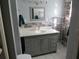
(0, 51)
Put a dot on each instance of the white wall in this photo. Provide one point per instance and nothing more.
(52, 8)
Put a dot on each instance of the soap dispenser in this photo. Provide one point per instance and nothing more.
(21, 20)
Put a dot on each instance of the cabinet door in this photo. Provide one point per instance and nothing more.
(53, 43)
(27, 46)
(44, 44)
(32, 45)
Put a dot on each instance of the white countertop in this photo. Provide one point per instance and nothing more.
(32, 32)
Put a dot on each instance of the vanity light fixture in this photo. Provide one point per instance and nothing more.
(37, 2)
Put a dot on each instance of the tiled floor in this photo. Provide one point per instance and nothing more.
(61, 54)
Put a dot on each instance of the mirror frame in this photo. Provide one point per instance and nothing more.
(31, 14)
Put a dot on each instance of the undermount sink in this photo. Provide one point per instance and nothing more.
(43, 29)
(38, 31)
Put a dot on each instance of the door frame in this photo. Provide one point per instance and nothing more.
(9, 16)
(72, 48)
(3, 38)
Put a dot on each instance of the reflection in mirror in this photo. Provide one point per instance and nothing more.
(37, 13)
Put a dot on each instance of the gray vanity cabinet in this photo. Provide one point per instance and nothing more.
(41, 44)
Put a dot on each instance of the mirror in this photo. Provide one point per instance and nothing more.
(37, 13)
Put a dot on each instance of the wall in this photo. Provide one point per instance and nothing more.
(15, 29)
(2, 54)
(52, 8)
(0, 30)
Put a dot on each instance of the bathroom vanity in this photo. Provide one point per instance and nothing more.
(38, 42)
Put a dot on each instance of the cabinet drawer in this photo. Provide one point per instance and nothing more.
(54, 38)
